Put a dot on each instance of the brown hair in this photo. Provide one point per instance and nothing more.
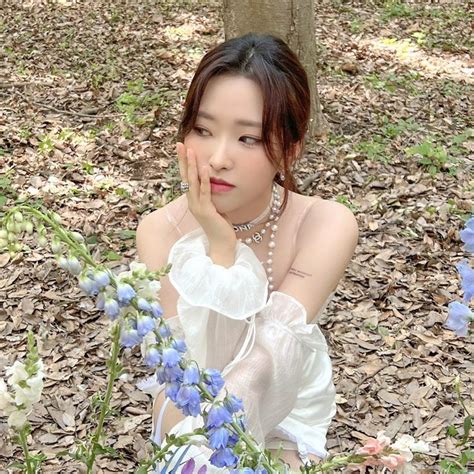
(268, 61)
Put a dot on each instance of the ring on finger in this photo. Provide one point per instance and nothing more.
(184, 187)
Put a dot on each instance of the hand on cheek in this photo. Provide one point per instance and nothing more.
(217, 227)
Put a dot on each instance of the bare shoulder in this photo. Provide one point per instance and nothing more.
(329, 217)
(155, 234)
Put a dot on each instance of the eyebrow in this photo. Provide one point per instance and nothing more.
(246, 123)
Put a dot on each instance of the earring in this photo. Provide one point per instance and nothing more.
(282, 176)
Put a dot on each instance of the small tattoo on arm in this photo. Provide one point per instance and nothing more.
(299, 273)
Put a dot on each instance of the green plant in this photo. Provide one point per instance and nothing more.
(396, 9)
(392, 82)
(343, 199)
(88, 167)
(122, 193)
(374, 149)
(6, 190)
(356, 26)
(46, 145)
(136, 100)
(393, 130)
(433, 157)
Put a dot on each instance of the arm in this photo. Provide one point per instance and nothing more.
(326, 243)
(154, 237)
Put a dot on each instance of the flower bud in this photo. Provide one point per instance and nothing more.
(42, 241)
(12, 237)
(17, 247)
(11, 226)
(28, 227)
(56, 247)
(77, 237)
(56, 217)
(74, 265)
(3, 243)
(18, 216)
(3, 234)
(62, 262)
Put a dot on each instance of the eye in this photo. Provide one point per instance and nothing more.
(201, 131)
(250, 141)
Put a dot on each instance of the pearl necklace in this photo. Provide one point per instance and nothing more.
(257, 237)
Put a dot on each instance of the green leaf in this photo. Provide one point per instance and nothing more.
(112, 256)
(451, 431)
(127, 234)
(91, 239)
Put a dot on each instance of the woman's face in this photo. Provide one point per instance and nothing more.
(228, 138)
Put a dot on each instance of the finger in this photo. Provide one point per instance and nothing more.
(182, 161)
(205, 185)
(193, 178)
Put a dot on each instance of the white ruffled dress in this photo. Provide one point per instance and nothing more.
(267, 353)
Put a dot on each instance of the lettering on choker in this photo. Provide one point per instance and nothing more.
(299, 273)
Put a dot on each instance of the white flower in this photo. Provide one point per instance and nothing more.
(384, 440)
(17, 419)
(17, 373)
(6, 399)
(32, 393)
(149, 289)
(138, 267)
(148, 340)
(407, 445)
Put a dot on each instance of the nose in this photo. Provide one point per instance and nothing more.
(220, 156)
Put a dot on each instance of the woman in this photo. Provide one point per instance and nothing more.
(254, 263)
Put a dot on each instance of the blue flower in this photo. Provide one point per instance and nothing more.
(467, 235)
(179, 345)
(125, 293)
(152, 357)
(88, 285)
(156, 309)
(143, 304)
(164, 330)
(102, 278)
(169, 374)
(145, 324)
(458, 318)
(171, 357)
(171, 390)
(217, 416)
(191, 375)
(189, 399)
(213, 380)
(243, 470)
(128, 336)
(219, 438)
(467, 283)
(111, 308)
(233, 404)
(223, 458)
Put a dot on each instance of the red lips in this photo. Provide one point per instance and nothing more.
(220, 181)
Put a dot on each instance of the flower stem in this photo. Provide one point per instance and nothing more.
(113, 363)
(24, 445)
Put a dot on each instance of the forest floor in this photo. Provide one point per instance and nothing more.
(91, 93)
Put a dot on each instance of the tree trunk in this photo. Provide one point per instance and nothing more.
(291, 20)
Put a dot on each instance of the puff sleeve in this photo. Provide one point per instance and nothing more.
(216, 305)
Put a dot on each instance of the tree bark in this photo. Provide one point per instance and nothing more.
(291, 20)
